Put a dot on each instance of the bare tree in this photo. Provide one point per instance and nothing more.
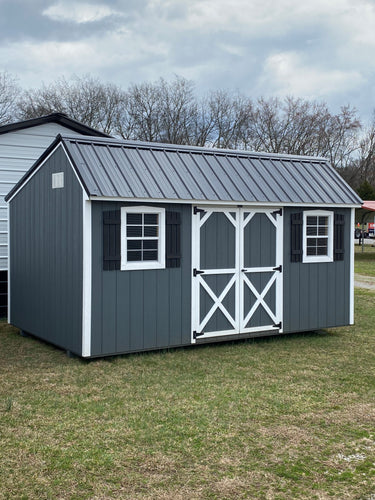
(366, 162)
(171, 112)
(360, 170)
(340, 137)
(297, 126)
(229, 115)
(9, 93)
(164, 112)
(176, 110)
(85, 99)
(139, 116)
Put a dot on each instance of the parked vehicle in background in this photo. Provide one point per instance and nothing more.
(368, 231)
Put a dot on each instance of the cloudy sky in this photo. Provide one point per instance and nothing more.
(315, 49)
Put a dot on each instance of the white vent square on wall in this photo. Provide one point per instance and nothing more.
(58, 180)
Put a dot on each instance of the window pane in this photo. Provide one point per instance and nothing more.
(150, 255)
(151, 219)
(323, 221)
(312, 230)
(323, 231)
(134, 256)
(151, 231)
(142, 236)
(133, 231)
(317, 246)
(312, 220)
(134, 244)
(134, 219)
(150, 244)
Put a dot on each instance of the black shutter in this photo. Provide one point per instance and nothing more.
(111, 240)
(338, 240)
(296, 225)
(173, 239)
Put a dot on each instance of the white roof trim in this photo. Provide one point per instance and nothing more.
(222, 203)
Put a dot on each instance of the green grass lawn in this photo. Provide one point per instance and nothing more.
(365, 261)
(288, 417)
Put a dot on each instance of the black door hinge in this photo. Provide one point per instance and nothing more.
(197, 271)
(279, 268)
(278, 325)
(278, 212)
(198, 211)
(196, 334)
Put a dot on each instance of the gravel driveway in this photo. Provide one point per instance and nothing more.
(364, 282)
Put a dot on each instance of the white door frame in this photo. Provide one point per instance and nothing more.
(239, 278)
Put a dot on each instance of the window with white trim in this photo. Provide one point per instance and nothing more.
(317, 236)
(142, 238)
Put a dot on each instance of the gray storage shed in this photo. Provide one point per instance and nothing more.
(118, 246)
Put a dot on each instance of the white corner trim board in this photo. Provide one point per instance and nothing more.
(351, 307)
(86, 278)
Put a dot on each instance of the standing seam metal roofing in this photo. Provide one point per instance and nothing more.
(113, 168)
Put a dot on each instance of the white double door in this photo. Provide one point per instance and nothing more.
(237, 271)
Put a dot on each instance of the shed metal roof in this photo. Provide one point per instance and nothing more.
(61, 118)
(113, 168)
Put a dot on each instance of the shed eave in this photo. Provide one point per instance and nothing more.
(74, 125)
(235, 203)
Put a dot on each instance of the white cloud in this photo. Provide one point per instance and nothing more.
(77, 12)
(288, 73)
(315, 49)
(102, 57)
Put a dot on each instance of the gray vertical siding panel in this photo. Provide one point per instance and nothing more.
(140, 310)
(150, 288)
(163, 312)
(176, 304)
(137, 309)
(123, 315)
(316, 295)
(109, 313)
(46, 257)
(331, 288)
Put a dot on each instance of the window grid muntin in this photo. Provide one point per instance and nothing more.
(143, 228)
(318, 236)
(142, 237)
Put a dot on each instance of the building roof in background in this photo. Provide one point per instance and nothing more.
(368, 205)
(113, 168)
(60, 118)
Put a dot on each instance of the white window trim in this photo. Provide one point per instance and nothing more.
(152, 264)
(318, 258)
